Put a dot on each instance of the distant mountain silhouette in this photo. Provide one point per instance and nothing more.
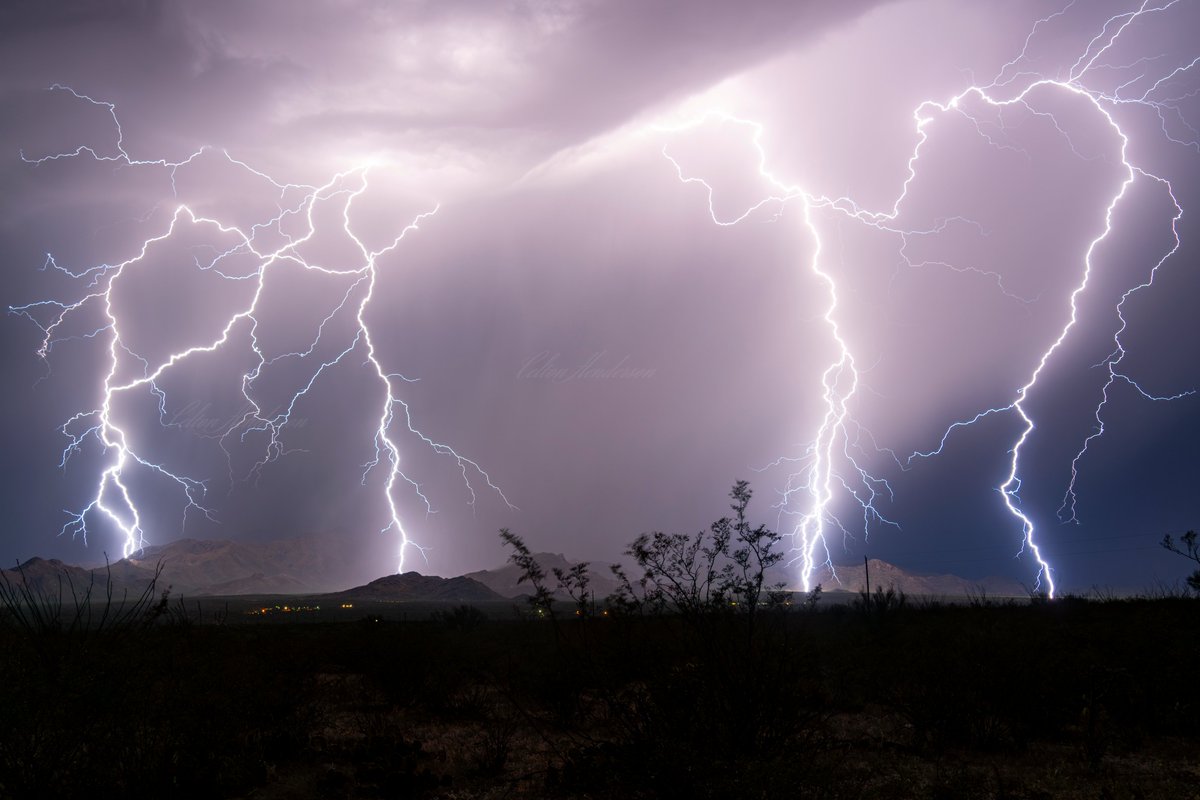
(503, 580)
(883, 575)
(212, 567)
(415, 586)
(258, 583)
(45, 576)
(194, 568)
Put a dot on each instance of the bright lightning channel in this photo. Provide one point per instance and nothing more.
(113, 498)
(819, 479)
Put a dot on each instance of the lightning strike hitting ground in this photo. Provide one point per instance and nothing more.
(113, 497)
(815, 486)
(832, 470)
(817, 477)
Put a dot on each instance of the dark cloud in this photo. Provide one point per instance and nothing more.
(474, 77)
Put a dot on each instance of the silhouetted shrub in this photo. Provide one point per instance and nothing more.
(1188, 546)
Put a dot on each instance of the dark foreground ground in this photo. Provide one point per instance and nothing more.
(1067, 699)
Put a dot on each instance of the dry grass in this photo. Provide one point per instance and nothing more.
(1062, 700)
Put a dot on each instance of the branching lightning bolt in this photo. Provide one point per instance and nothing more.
(819, 478)
(1104, 104)
(113, 497)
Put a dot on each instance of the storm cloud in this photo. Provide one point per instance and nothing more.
(573, 319)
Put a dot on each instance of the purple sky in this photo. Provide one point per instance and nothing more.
(552, 138)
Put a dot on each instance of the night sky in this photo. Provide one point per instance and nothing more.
(575, 318)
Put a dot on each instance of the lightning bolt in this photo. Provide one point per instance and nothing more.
(830, 469)
(829, 461)
(829, 465)
(129, 371)
(1104, 104)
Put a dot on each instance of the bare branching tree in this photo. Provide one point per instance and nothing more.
(1189, 547)
(574, 582)
(542, 599)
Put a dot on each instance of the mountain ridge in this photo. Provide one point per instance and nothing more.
(222, 567)
(409, 586)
